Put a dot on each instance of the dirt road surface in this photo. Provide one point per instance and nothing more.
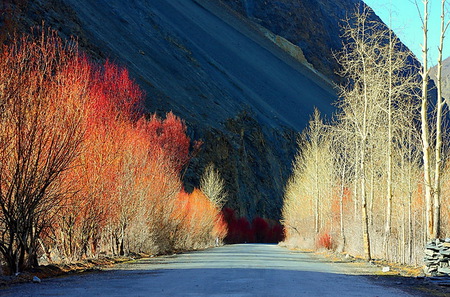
(232, 270)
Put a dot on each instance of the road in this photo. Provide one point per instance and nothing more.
(232, 270)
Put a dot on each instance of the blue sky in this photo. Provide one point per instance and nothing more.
(407, 25)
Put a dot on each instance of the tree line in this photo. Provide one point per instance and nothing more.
(372, 181)
(84, 171)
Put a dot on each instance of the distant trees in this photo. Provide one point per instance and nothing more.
(82, 169)
(201, 221)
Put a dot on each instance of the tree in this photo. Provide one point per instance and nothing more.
(213, 186)
(380, 83)
(360, 97)
(39, 139)
(424, 124)
(344, 170)
(438, 166)
(308, 192)
(432, 188)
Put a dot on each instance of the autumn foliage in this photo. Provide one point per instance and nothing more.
(201, 223)
(83, 170)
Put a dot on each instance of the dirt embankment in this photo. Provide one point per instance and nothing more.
(55, 270)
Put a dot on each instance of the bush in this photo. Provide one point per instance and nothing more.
(324, 240)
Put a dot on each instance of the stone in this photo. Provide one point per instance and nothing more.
(430, 252)
(445, 252)
(432, 246)
(444, 270)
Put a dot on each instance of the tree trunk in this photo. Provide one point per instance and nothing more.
(317, 191)
(439, 107)
(341, 209)
(364, 215)
(425, 131)
(387, 228)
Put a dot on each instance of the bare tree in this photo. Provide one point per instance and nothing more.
(432, 188)
(344, 169)
(360, 97)
(440, 102)
(426, 150)
(308, 194)
(213, 186)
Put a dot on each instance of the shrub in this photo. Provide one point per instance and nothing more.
(324, 240)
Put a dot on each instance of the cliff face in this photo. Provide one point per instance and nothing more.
(313, 25)
(239, 92)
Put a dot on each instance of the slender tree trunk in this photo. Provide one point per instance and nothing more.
(355, 184)
(387, 228)
(364, 215)
(316, 190)
(425, 131)
(122, 238)
(439, 107)
(341, 209)
(364, 218)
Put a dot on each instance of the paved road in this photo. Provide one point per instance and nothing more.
(234, 270)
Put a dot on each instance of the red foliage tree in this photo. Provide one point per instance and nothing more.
(42, 123)
(169, 136)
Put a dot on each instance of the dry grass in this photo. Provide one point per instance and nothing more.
(54, 270)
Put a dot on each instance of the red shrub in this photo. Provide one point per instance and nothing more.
(277, 233)
(324, 240)
(261, 229)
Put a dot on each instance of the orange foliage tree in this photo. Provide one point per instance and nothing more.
(39, 138)
(201, 223)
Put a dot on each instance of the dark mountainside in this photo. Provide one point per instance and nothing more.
(445, 77)
(312, 25)
(233, 82)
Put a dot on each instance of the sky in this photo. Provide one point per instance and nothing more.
(407, 24)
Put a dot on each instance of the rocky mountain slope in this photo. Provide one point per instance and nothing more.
(445, 77)
(313, 25)
(244, 74)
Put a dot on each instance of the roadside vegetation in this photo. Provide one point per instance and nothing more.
(258, 230)
(83, 170)
(374, 181)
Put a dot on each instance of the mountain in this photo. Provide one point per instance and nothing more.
(245, 75)
(445, 77)
(312, 25)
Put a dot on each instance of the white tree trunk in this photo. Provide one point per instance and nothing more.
(439, 107)
(425, 131)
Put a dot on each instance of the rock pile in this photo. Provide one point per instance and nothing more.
(437, 257)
